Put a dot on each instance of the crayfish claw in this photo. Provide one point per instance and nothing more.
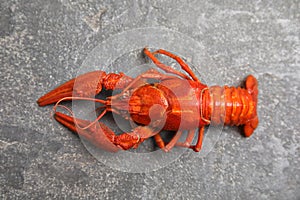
(102, 136)
(64, 90)
(85, 85)
(98, 134)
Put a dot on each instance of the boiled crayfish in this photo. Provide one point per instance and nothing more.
(175, 102)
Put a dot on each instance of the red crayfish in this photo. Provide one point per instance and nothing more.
(177, 102)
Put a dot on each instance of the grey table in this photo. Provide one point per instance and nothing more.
(44, 43)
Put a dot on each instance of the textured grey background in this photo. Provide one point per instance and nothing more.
(43, 43)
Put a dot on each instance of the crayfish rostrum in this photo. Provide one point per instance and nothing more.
(177, 101)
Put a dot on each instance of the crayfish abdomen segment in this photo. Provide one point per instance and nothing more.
(232, 106)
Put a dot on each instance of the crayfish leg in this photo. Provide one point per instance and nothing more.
(149, 74)
(198, 145)
(188, 140)
(161, 144)
(179, 60)
(163, 66)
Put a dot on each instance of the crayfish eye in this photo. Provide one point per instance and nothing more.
(125, 95)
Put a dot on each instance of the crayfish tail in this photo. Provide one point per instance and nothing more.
(252, 88)
(233, 106)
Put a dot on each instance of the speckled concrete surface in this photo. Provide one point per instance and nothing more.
(43, 43)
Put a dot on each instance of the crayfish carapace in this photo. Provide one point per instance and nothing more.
(191, 107)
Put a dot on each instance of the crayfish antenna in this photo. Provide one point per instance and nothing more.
(82, 98)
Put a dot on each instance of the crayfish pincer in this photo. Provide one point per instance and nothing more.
(176, 101)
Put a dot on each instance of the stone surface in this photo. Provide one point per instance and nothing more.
(44, 43)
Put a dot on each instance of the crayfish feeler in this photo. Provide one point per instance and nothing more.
(177, 102)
